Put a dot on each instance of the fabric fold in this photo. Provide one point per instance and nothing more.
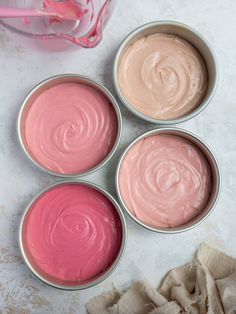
(202, 286)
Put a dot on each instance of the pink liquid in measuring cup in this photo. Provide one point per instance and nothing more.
(66, 8)
(84, 29)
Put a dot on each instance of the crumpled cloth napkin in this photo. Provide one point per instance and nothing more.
(206, 285)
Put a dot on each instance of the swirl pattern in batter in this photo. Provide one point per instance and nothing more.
(73, 233)
(165, 180)
(70, 128)
(163, 76)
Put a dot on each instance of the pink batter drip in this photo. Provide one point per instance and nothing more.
(94, 36)
(165, 181)
(72, 7)
(73, 233)
(70, 128)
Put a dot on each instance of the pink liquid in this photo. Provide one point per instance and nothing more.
(70, 128)
(70, 8)
(72, 233)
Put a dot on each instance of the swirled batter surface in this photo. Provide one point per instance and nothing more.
(73, 233)
(71, 128)
(165, 180)
(163, 76)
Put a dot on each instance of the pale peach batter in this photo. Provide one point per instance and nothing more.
(163, 76)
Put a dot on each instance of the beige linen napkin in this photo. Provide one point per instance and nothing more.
(207, 285)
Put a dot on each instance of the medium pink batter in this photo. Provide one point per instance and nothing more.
(165, 180)
(73, 233)
(70, 128)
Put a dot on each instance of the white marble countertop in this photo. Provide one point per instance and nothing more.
(148, 255)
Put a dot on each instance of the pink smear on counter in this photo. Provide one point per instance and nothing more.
(165, 180)
(72, 233)
(70, 128)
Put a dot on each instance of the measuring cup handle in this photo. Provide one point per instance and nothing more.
(95, 36)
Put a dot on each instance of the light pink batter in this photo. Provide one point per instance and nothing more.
(165, 180)
(70, 128)
(72, 233)
(163, 76)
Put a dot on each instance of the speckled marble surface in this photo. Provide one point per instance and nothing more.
(148, 255)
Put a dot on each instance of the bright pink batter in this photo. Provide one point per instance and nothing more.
(70, 128)
(73, 233)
